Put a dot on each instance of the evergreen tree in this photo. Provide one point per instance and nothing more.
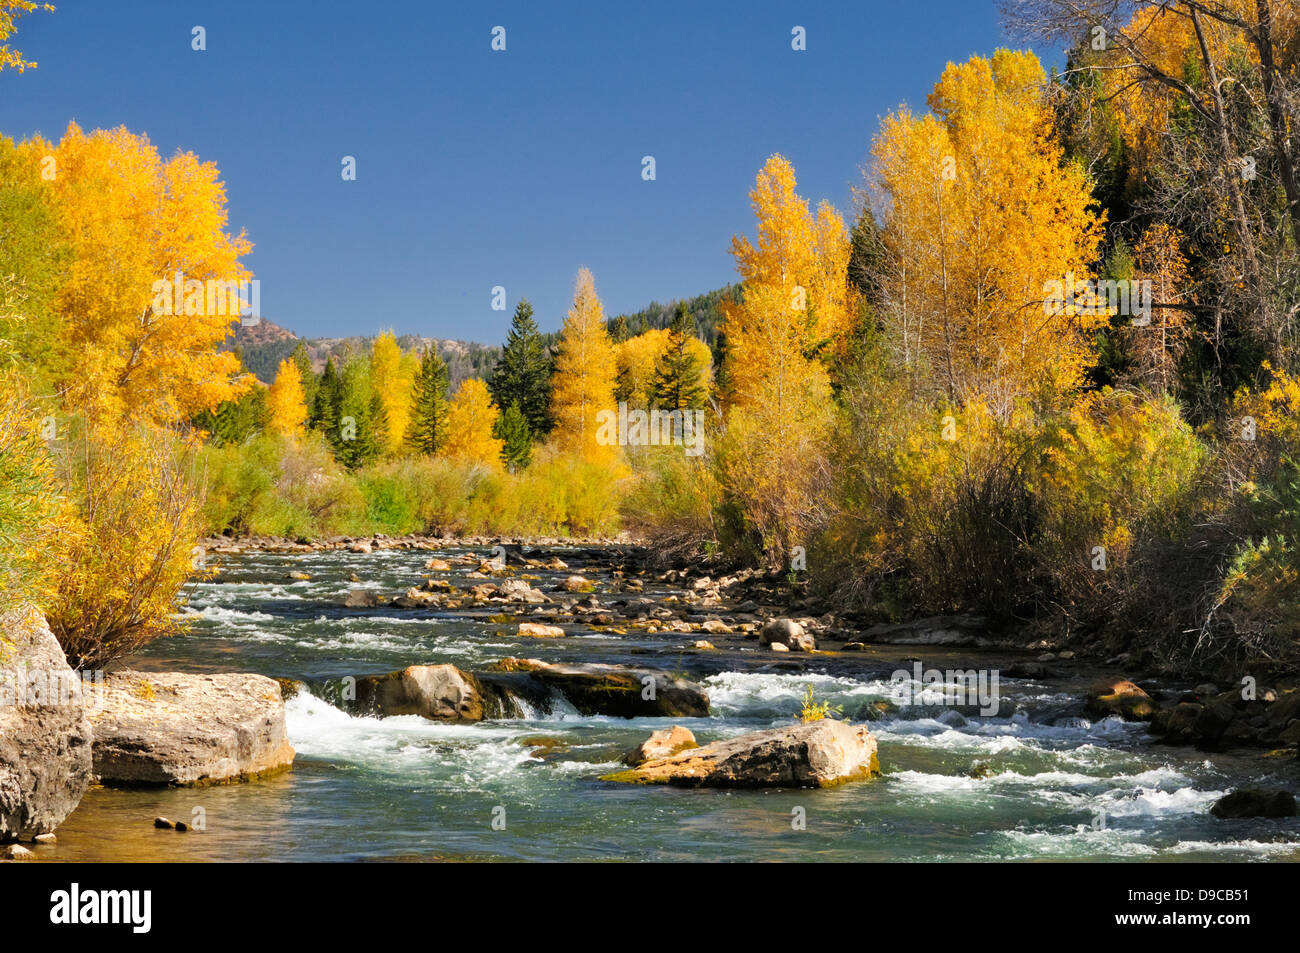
(512, 428)
(523, 375)
(618, 329)
(325, 405)
(310, 379)
(679, 382)
(362, 421)
(429, 404)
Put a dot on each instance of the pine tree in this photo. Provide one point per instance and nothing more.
(618, 329)
(523, 375)
(679, 382)
(362, 421)
(325, 410)
(512, 430)
(429, 404)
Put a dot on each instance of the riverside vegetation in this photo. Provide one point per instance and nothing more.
(902, 417)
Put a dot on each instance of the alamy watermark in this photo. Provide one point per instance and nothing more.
(1129, 298)
(652, 428)
(973, 687)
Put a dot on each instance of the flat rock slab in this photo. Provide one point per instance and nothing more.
(174, 728)
(45, 760)
(816, 755)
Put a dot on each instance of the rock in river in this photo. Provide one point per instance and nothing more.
(615, 689)
(1253, 802)
(176, 728)
(819, 754)
(663, 743)
(439, 692)
(1118, 696)
(45, 759)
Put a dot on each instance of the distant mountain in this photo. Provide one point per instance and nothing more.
(264, 345)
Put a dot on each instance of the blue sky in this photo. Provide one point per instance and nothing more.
(478, 168)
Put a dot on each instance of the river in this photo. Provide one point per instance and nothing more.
(1058, 786)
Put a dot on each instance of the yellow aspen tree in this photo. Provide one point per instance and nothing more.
(471, 422)
(983, 217)
(153, 282)
(286, 401)
(635, 359)
(796, 303)
(391, 376)
(585, 369)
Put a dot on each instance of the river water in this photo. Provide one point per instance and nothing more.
(1058, 787)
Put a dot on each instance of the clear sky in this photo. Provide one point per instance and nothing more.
(478, 168)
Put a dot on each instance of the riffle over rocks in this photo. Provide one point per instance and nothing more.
(818, 754)
(173, 728)
(616, 690)
(45, 752)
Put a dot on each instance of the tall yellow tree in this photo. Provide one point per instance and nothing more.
(795, 307)
(286, 401)
(584, 377)
(471, 421)
(981, 214)
(149, 294)
(796, 300)
(392, 376)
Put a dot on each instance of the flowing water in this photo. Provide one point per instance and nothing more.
(1059, 787)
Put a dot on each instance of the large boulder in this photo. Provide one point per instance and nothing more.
(1254, 802)
(177, 728)
(438, 692)
(818, 754)
(1118, 696)
(783, 631)
(45, 754)
(616, 690)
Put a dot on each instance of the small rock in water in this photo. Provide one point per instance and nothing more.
(45, 838)
(299, 576)
(663, 743)
(361, 599)
(182, 826)
(536, 630)
(163, 824)
(15, 852)
(978, 770)
(704, 644)
(778, 647)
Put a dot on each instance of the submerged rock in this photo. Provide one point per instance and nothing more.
(176, 728)
(615, 689)
(1118, 696)
(45, 754)
(361, 599)
(437, 692)
(1254, 802)
(819, 754)
(663, 743)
